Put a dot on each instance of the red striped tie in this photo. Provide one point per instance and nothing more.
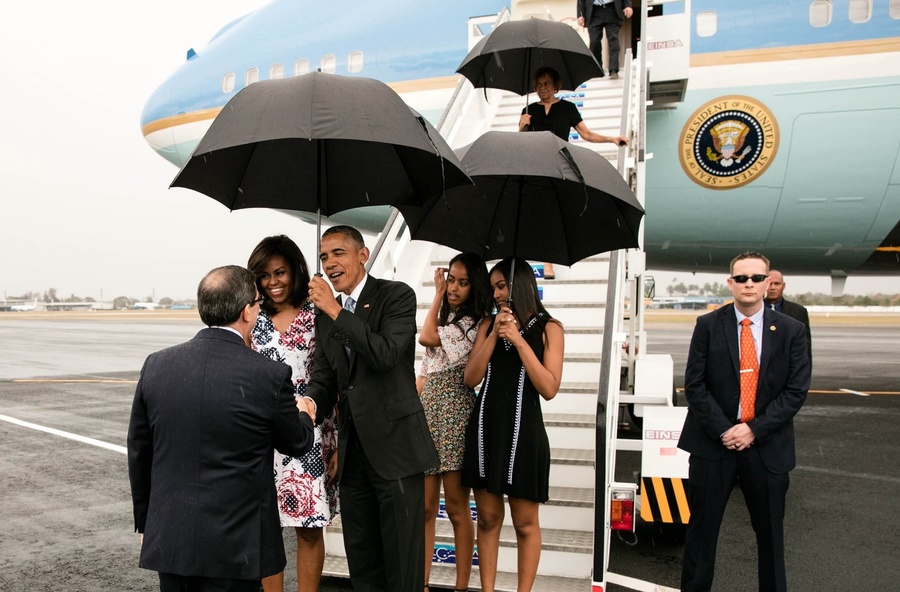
(749, 373)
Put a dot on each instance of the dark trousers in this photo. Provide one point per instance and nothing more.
(710, 485)
(605, 18)
(175, 583)
(384, 526)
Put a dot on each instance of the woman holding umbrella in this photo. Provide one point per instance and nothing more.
(558, 116)
(285, 332)
(518, 355)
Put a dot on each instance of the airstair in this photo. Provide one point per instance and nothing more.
(605, 341)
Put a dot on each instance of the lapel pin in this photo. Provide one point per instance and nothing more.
(367, 306)
(772, 328)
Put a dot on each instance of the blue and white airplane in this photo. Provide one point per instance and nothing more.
(787, 139)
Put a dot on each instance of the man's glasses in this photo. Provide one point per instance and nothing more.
(257, 300)
(742, 279)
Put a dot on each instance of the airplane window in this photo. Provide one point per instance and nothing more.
(328, 64)
(355, 61)
(820, 13)
(301, 66)
(707, 23)
(276, 71)
(228, 83)
(895, 9)
(860, 11)
(252, 76)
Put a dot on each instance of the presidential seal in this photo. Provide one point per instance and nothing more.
(728, 142)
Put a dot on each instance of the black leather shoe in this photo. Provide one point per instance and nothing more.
(613, 75)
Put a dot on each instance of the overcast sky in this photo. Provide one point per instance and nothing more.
(86, 207)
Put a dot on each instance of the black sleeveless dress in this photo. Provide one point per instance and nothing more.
(507, 450)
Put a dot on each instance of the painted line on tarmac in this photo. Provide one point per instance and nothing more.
(67, 380)
(849, 475)
(858, 393)
(842, 391)
(69, 435)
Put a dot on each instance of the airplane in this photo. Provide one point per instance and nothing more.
(24, 307)
(145, 306)
(816, 82)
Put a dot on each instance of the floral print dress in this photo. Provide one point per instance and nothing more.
(448, 402)
(303, 497)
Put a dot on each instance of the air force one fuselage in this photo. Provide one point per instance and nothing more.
(817, 81)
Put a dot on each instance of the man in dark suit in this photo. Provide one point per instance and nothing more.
(364, 365)
(738, 432)
(597, 15)
(776, 301)
(206, 418)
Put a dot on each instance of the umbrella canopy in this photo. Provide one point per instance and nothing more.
(508, 56)
(535, 196)
(319, 143)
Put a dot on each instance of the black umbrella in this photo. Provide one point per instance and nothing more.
(507, 57)
(535, 196)
(319, 143)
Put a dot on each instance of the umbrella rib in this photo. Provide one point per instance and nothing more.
(568, 156)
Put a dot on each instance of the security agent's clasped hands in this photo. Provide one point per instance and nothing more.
(738, 437)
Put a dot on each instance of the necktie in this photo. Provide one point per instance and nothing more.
(749, 372)
(350, 306)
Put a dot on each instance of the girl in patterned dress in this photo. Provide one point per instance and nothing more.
(518, 355)
(285, 332)
(461, 299)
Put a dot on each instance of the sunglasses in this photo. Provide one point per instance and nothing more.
(742, 279)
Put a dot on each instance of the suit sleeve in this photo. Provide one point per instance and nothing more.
(381, 350)
(702, 404)
(293, 433)
(804, 318)
(322, 387)
(140, 456)
(782, 409)
(578, 8)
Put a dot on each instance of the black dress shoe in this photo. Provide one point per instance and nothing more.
(613, 75)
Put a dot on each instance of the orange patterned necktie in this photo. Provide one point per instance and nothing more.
(749, 372)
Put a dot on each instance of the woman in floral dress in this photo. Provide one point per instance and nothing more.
(285, 332)
(461, 299)
(517, 358)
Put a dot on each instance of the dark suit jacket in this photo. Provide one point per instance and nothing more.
(586, 7)
(799, 312)
(712, 386)
(206, 417)
(377, 385)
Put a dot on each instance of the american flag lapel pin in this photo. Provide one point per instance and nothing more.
(367, 306)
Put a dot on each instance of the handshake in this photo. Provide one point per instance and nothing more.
(306, 405)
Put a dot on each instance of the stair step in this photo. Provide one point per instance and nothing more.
(444, 576)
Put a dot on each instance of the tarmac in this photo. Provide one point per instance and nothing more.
(67, 381)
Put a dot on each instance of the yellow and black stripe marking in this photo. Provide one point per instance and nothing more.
(664, 500)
